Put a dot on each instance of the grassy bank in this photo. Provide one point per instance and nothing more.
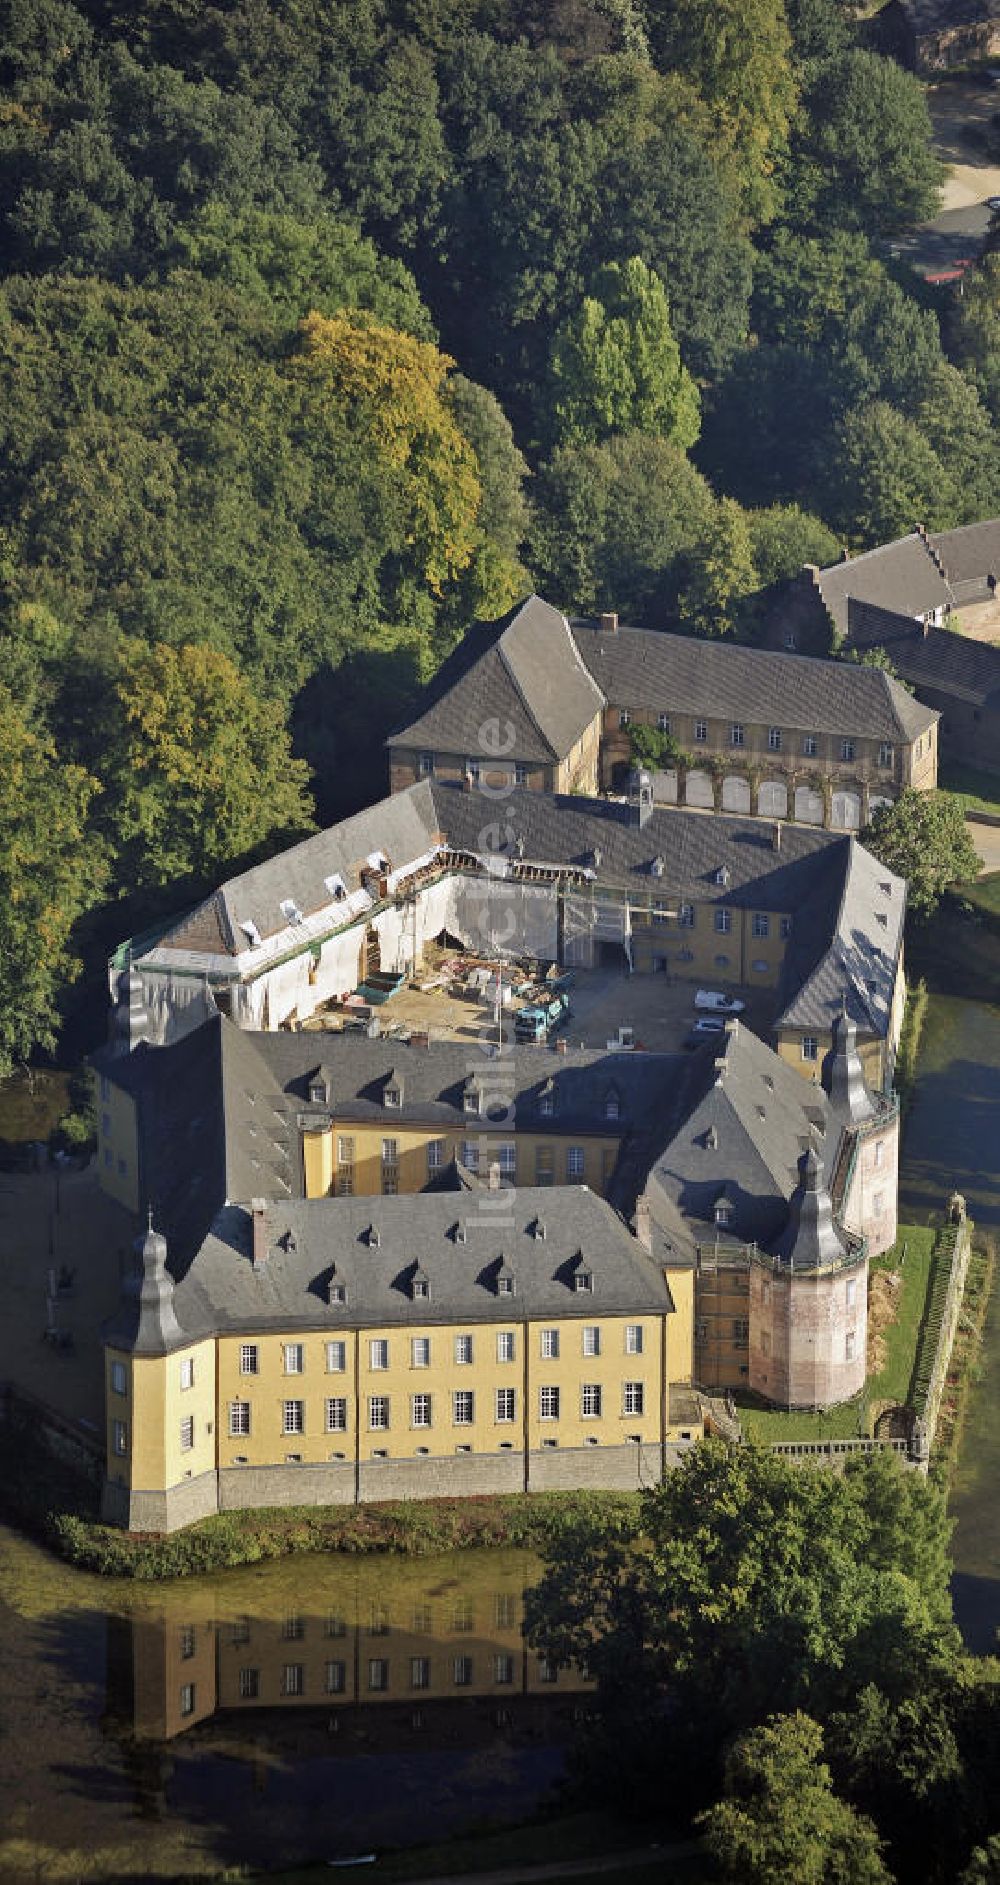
(978, 791)
(909, 1041)
(57, 1503)
(565, 1839)
(964, 1369)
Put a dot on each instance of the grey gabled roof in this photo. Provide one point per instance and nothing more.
(858, 962)
(743, 1132)
(523, 672)
(902, 576)
(972, 552)
(400, 828)
(221, 1289)
(643, 668)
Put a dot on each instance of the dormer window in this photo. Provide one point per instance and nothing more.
(472, 1099)
(711, 1140)
(459, 1233)
(612, 1105)
(290, 910)
(251, 932)
(540, 1229)
(335, 887)
(547, 1100)
(319, 1092)
(723, 1213)
(663, 722)
(373, 1237)
(392, 1092)
(506, 1283)
(336, 1292)
(722, 875)
(420, 1287)
(583, 1282)
(658, 867)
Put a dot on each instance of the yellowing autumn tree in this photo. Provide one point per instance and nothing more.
(205, 770)
(390, 388)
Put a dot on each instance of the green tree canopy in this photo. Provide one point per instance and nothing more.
(924, 838)
(721, 572)
(780, 1818)
(865, 156)
(616, 366)
(204, 770)
(51, 870)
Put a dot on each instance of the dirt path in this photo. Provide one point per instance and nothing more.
(955, 109)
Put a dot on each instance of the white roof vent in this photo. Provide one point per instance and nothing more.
(251, 932)
(377, 860)
(336, 887)
(658, 867)
(290, 910)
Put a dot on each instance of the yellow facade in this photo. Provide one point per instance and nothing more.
(748, 949)
(681, 1326)
(150, 1399)
(118, 1143)
(349, 1160)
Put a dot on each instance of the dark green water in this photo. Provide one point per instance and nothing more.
(952, 1139)
(309, 1709)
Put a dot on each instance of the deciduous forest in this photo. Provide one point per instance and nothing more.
(328, 326)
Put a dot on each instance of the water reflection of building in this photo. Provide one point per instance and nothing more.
(384, 1663)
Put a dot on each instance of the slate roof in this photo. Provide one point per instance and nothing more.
(749, 1118)
(309, 1243)
(859, 952)
(524, 670)
(943, 16)
(638, 667)
(902, 576)
(932, 657)
(972, 552)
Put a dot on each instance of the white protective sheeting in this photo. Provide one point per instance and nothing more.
(175, 1004)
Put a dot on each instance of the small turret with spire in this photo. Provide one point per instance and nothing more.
(157, 1327)
(810, 1239)
(849, 1095)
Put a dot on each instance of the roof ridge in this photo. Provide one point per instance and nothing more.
(511, 672)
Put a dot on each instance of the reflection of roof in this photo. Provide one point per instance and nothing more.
(371, 1246)
(639, 667)
(524, 671)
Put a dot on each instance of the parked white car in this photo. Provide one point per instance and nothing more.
(717, 1003)
(709, 1024)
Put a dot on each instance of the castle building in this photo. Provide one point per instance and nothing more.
(803, 912)
(759, 733)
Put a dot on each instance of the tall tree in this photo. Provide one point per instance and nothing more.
(924, 838)
(780, 1818)
(617, 367)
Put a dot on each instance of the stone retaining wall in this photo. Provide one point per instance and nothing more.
(946, 1335)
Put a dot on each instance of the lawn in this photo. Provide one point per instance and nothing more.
(979, 791)
(573, 1837)
(984, 894)
(913, 1255)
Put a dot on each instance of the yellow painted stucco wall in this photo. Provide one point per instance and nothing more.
(540, 1158)
(153, 1407)
(680, 1326)
(118, 1143)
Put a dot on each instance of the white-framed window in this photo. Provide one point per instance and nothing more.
(390, 1151)
(550, 1344)
(378, 1412)
(506, 1345)
(548, 1669)
(633, 1338)
(336, 1413)
(591, 1339)
(685, 916)
(462, 1671)
(294, 1357)
(421, 1289)
(463, 1350)
(293, 1679)
(633, 1397)
(420, 1410)
(119, 1378)
(847, 751)
(583, 1282)
(886, 754)
(345, 1151)
(737, 734)
(774, 739)
(119, 1438)
(336, 1677)
(378, 1353)
(420, 1672)
(293, 1628)
(187, 1433)
(849, 1340)
(470, 1154)
(187, 1372)
(546, 1104)
(187, 1698)
(378, 1673)
(426, 765)
(810, 746)
(505, 1286)
(723, 1212)
(624, 717)
(503, 1668)
(548, 1403)
(701, 731)
(473, 770)
(463, 1407)
(293, 1417)
(810, 1047)
(663, 722)
(506, 1404)
(520, 773)
(852, 1291)
(723, 922)
(761, 924)
(249, 1685)
(249, 1358)
(879, 1154)
(420, 1351)
(506, 1158)
(590, 1400)
(575, 1162)
(336, 1357)
(435, 1154)
(239, 1419)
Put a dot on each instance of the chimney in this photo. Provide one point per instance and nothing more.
(776, 836)
(562, 1044)
(925, 626)
(258, 1223)
(609, 622)
(420, 1039)
(810, 575)
(493, 1181)
(644, 1223)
